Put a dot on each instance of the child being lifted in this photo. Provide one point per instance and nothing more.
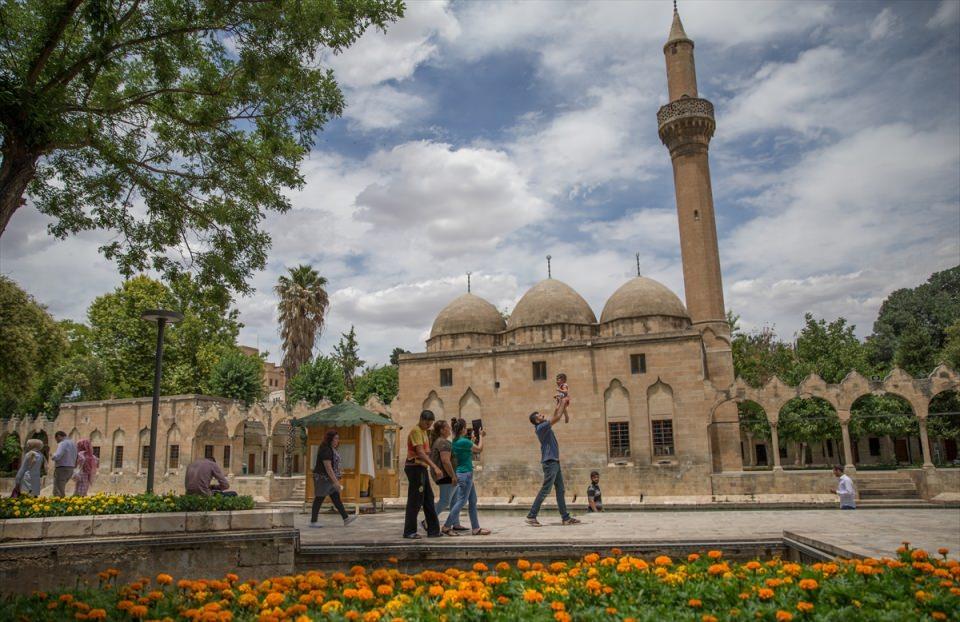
(563, 395)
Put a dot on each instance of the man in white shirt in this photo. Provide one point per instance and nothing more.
(65, 461)
(845, 490)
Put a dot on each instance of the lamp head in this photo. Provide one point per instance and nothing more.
(155, 315)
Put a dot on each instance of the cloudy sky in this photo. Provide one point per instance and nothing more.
(481, 136)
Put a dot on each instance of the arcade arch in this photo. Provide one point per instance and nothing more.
(884, 429)
(943, 427)
(805, 424)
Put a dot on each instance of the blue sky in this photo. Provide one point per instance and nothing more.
(482, 136)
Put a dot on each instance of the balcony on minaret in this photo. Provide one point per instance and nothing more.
(686, 121)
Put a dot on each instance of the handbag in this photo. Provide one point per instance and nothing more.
(15, 492)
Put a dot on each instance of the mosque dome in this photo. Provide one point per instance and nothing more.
(551, 302)
(467, 314)
(642, 297)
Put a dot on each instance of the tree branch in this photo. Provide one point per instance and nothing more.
(53, 37)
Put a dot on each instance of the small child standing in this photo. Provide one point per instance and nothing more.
(563, 395)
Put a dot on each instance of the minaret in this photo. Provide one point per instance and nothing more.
(686, 127)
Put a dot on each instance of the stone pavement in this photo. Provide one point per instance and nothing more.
(873, 532)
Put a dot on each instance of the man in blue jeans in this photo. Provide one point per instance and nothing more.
(550, 461)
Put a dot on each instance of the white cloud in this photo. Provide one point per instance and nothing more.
(947, 14)
(383, 107)
(378, 57)
(884, 24)
(455, 199)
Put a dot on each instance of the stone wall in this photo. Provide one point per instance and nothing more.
(52, 553)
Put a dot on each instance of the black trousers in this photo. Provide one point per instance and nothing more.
(337, 503)
(419, 495)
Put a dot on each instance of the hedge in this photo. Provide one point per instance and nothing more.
(40, 507)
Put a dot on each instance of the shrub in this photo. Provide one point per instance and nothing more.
(40, 507)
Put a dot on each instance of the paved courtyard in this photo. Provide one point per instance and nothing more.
(874, 532)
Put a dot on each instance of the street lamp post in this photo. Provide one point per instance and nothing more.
(162, 318)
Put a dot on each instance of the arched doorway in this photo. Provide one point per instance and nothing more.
(884, 432)
(756, 447)
(809, 431)
(943, 428)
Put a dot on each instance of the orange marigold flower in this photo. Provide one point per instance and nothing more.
(804, 607)
(558, 566)
(692, 557)
(938, 615)
(784, 616)
(372, 616)
(714, 554)
(435, 591)
(743, 595)
(708, 618)
(408, 584)
(384, 590)
(358, 570)
(502, 567)
(808, 584)
(523, 564)
(662, 560)
(765, 593)
(557, 606)
(616, 551)
(480, 567)
(274, 599)
(718, 569)
(503, 600)
(123, 605)
(611, 610)
(593, 585)
(943, 551)
(695, 603)
(113, 572)
(164, 579)
(532, 596)
(364, 594)
(155, 595)
(562, 616)
(591, 558)
(138, 611)
(97, 614)
(921, 595)
(352, 615)
(753, 565)
(918, 555)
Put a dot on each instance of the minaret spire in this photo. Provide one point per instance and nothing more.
(468, 281)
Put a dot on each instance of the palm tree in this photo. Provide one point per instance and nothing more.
(303, 302)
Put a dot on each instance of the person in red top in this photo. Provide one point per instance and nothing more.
(419, 491)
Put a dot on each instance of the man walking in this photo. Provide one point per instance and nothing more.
(550, 461)
(65, 461)
(845, 490)
(419, 492)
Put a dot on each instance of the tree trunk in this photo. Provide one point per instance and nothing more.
(16, 171)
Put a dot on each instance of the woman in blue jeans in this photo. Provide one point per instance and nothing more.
(463, 451)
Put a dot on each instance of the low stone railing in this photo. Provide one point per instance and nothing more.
(169, 523)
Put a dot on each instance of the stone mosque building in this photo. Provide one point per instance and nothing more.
(654, 401)
(641, 377)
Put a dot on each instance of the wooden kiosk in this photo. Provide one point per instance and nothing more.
(368, 452)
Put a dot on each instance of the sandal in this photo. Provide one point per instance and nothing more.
(481, 532)
(412, 536)
(448, 531)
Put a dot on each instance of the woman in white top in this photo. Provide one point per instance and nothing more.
(29, 477)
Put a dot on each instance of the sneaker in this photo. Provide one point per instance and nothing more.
(533, 522)
(316, 525)
(349, 519)
(572, 521)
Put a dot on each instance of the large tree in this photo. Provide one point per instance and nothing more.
(320, 379)
(238, 377)
(125, 343)
(384, 382)
(303, 303)
(175, 125)
(912, 327)
(31, 347)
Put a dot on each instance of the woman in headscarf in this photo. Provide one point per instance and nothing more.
(326, 479)
(87, 465)
(29, 477)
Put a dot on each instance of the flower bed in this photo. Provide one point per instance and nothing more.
(99, 504)
(615, 587)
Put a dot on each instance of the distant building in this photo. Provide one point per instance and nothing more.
(274, 378)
